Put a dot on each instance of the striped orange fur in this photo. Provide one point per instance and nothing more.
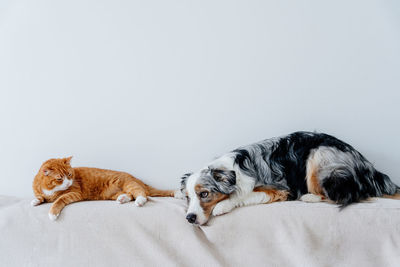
(58, 182)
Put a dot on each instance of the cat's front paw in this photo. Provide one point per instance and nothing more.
(123, 198)
(53, 216)
(35, 202)
(140, 200)
(222, 208)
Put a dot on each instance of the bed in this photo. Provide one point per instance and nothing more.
(104, 233)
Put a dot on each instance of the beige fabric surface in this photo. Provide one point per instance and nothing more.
(104, 233)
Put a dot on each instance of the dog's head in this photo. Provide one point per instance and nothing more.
(204, 189)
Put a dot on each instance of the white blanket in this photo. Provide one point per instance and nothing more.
(104, 233)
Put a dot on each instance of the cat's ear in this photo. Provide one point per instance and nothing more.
(67, 160)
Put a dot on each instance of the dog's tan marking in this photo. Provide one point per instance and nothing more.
(395, 196)
(274, 194)
(212, 199)
(313, 185)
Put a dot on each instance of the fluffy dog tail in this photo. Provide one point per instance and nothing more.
(344, 188)
(386, 186)
(153, 192)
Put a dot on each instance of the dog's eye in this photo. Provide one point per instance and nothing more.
(204, 194)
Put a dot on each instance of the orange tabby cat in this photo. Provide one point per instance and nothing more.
(58, 182)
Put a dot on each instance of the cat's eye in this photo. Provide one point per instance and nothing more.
(69, 174)
(59, 178)
(204, 194)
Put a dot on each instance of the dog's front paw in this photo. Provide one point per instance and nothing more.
(35, 202)
(311, 198)
(178, 194)
(222, 208)
(123, 198)
(53, 216)
(140, 200)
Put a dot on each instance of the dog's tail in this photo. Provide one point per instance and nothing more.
(387, 187)
(153, 192)
(344, 188)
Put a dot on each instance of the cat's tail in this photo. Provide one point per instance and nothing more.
(153, 192)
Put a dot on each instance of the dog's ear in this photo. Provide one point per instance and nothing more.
(226, 180)
(183, 182)
(224, 176)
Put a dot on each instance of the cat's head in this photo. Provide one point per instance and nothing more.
(56, 175)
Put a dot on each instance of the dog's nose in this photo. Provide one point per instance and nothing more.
(191, 217)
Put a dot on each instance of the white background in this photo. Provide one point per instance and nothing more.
(158, 88)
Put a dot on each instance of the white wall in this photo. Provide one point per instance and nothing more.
(158, 88)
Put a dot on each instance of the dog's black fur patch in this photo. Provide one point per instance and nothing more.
(281, 162)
